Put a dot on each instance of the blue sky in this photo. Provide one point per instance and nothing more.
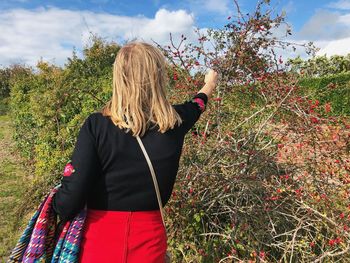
(32, 29)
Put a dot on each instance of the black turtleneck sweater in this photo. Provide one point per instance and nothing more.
(108, 171)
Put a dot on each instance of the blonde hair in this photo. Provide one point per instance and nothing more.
(139, 90)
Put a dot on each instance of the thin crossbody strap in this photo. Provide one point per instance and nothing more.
(153, 177)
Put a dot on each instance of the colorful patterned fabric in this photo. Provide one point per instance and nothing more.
(42, 239)
(67, 248)
(18, 251)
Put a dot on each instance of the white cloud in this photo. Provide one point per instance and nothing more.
(177, 22)
(51, 33)
(325, 25)
(335, 47)
(329, 30)
(326, 47)
(345, 19)
(341, 4)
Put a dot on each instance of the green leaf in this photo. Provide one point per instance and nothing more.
(197, 217)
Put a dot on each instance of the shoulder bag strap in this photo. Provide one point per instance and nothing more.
(153, 177)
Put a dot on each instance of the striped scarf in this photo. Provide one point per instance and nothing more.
(44, 240)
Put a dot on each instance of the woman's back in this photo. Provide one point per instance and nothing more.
(113, 170)
(125, 182)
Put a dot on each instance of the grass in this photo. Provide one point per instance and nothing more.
(13, 177)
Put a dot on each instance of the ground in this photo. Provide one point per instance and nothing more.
(13, 176)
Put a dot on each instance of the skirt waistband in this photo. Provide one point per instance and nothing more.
(104, 215)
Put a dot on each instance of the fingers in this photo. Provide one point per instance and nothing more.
(211, 77)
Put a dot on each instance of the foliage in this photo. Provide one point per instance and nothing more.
(49, 104)
(4, 82)
(269, 159)
(320, 66)
(264, 174)
(13, 177)
(331, 90)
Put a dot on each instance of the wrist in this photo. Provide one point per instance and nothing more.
(208, 88)
(210, 85)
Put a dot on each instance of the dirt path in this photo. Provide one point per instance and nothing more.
(12, 179)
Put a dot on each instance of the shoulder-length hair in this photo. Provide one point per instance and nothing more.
(139, 90)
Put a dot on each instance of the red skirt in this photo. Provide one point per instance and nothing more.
(123, 236)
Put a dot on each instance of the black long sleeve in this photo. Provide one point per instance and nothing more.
(108, 170)
(72, 195)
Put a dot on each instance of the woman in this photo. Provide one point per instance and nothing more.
(108, 171)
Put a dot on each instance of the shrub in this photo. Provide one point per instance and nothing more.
(264, 173)
(333, 90)
(266, 169)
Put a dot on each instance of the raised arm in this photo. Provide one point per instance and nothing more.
(192, 109)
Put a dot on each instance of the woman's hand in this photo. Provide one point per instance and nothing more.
(211, 78)
(210, 83)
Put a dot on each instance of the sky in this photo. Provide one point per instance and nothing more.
(31, 30)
